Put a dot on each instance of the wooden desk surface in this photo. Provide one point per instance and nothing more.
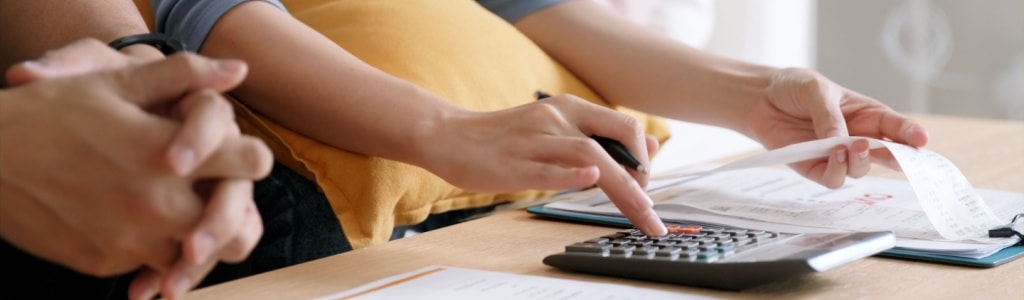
(989, 152)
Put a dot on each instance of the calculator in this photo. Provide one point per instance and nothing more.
(717, 257)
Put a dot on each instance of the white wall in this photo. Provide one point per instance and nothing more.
(928, 56)
(777, 33)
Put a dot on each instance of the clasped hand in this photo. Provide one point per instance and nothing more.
(117, 163)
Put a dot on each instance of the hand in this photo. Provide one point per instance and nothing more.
(546, 145)
(205, 121)
(803, 105)
(236, 219)
(121, 146)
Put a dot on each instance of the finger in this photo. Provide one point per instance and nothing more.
(652, 145)
(557, 163)
(79, 57)
(835, 173)
(652, 148)
(207, 118)
(145, 285)
(902, 130)
(628, 196)
(592, 119)
(221, 221)
(183, 277)
(826, 115)
(859, 159)
(245, 240)
(179, 74)
(243, 157)
(623, 188)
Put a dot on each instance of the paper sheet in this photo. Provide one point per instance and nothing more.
(778, 199)
(451, 283)
(949, 201)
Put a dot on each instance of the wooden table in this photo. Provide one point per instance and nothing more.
(989, 152)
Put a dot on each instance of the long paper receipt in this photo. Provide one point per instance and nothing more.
(948, 200)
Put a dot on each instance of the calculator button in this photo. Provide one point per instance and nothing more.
(639, 244)
(587, 248)
(663, 244)
(670, 252)
(645, 251)
(688, 229)
(687, 245)
(626, 249)
(619, 242)
(707, 256)
(711, 231)
(680, 239)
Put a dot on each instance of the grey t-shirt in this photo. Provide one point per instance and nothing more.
(190, 21)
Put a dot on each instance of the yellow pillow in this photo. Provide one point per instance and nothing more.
(455, 49)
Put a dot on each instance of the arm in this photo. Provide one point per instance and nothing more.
(33, 27)
(327, 94)
(366, 103)
(634, 67)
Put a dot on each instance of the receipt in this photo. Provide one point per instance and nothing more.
(949, 201)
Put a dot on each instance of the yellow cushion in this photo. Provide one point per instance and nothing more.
(455, 49)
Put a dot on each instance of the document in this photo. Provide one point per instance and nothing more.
(779, 199)
(451, 283)
(936, 209)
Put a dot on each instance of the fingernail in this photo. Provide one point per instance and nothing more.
(841, 156)
(33, 64)
(180, 286)
(36, 67)
(182, 159)
(654, 225)
(202, 247)
(863, 154)
(227, 65)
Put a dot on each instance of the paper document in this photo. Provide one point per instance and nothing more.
(947, 198)
(779, 199)
(935, 210)
(451, 283)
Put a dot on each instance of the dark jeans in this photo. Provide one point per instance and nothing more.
(298, 223)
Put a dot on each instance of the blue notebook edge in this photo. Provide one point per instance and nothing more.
(1001, 257)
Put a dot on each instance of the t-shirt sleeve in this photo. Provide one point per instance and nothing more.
(513, 10)
(190, 21)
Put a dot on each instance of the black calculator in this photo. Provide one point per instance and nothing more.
(716, 257)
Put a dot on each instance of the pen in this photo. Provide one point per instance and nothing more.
(614, 148)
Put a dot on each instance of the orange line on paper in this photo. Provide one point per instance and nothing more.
(393, 283)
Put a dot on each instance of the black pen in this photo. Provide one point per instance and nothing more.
(614, 148)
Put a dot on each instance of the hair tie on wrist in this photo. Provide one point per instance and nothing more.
(160, 41)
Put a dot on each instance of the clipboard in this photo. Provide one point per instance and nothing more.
(1001, 257)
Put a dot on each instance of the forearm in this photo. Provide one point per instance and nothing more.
(29, 28)
(631, 66)
(320, 90)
